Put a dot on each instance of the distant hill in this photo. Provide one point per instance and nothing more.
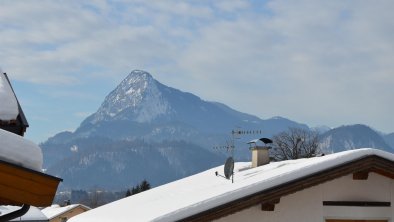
(116, 165)
(389, 138)
(352, 137)
(321, 129)
(146, 130)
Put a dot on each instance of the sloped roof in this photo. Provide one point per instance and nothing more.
(12, 117)
(22, 182)
(34, 214)
(207, 196)
(9, 105)
(56, 210)
(20, 151)
(21, 177)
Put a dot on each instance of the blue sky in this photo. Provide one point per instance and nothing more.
(316, 62)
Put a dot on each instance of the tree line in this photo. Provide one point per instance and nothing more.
(143, 186)
(97, 197)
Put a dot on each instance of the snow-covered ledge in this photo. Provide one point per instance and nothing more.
(9, 105)
(20, 151)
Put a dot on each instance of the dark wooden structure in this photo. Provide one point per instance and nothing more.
(359, 168)
(19, 185)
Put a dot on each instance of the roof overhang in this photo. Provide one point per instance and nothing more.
(23, 186)
(362, 165)
(19, 125)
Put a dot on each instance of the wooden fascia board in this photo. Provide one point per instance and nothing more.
(269, 206)
(19, 185)
(370, 163)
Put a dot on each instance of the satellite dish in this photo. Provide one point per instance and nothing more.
(266, 140)
(229, 167)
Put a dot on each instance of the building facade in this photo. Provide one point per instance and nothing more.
(342, 199)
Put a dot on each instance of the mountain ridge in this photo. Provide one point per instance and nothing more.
(177, 129)
(351, 137)
(141, 102)
(171, 131)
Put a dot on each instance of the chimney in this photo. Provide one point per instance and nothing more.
(260, 154)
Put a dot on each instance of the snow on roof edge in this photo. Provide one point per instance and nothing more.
(33, 214)
(180, 213)
(20, 151)
(203, 191)
(54, 211)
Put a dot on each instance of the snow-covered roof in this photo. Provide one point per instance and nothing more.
(33, 214)
(9, 109)
(56, 210)
(20, 151)
(204, 191)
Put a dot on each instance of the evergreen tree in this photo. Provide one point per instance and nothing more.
(144, 186)
(135, 190)
(128, 193)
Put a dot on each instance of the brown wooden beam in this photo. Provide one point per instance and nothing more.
(269, 206)
(357, 203)
(362, 175)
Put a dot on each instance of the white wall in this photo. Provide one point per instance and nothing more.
(307, 205)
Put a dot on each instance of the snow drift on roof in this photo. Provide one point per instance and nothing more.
(9, 105)
(203, 191)
(56, 210)
(20, 151)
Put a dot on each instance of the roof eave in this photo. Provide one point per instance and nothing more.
(20, 186)
(21, 115)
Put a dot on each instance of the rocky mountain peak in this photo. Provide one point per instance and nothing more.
(136, 98)
(137, 79)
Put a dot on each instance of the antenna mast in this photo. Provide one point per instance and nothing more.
(230, 147)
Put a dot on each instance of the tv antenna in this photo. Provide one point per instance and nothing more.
(230, 147)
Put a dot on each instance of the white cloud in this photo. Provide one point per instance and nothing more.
(231, 6)
(313, 61)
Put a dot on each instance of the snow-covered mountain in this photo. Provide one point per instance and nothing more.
(176, 129)
(146, 130)
(138, 97)
(140, 106)
(352, 137)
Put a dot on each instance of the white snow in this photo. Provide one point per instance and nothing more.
(34, 214)
(204, 191)
(8, 104)
(74, 149)
(56, 210)
(20, 151)
(139, 95)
